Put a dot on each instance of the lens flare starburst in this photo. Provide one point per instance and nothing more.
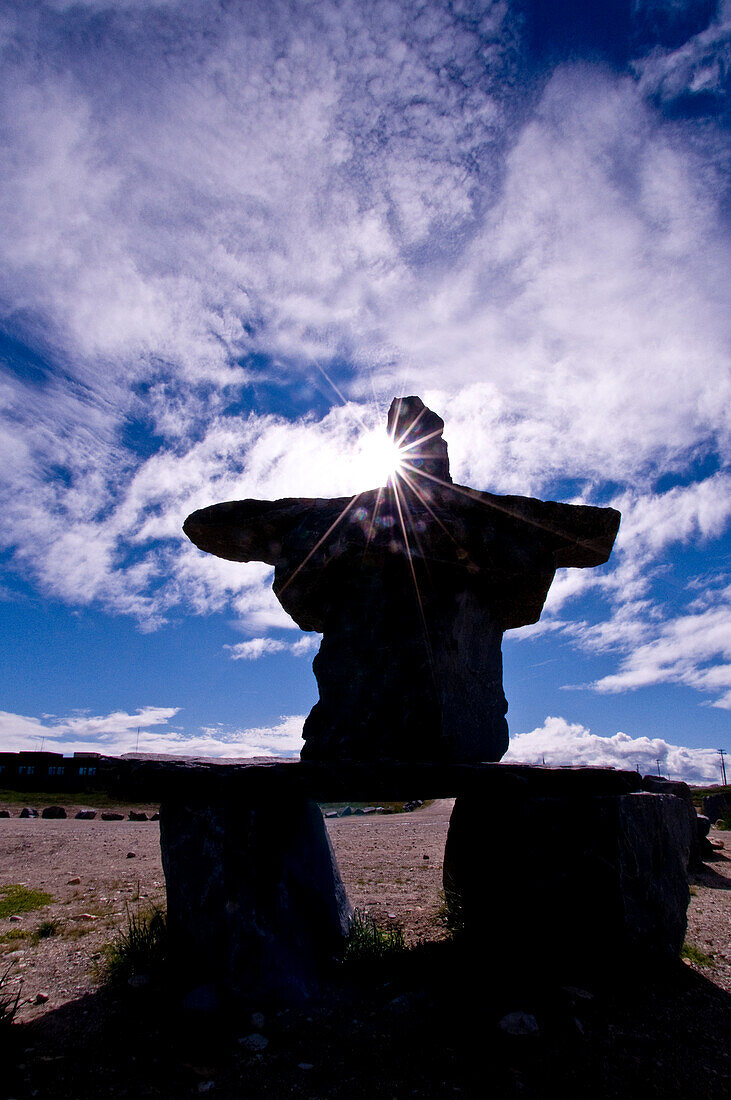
(380, 457)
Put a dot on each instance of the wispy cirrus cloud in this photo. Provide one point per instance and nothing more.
(683, 640)
(255, 648)
(691, 649)
(201, 202)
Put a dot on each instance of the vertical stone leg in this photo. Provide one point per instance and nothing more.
(256, 905)
(552, 884)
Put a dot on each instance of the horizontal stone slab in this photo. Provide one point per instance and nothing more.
(156, 779)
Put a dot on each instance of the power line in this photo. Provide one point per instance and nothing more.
(722, 753)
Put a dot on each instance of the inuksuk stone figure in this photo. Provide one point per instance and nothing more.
(411, 585)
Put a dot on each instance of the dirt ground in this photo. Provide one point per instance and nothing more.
(117, 864)
(97, 872)
(392, 866)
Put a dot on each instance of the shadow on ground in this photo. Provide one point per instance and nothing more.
(425, 1023)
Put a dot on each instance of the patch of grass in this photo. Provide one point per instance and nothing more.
(77, 929)
(47, 928)
(695, 955)
(699, 793)
(451, 912)
(21, 899)
(716, 788)
(9, 1000)
(93, 799)
(368, 940)
(140, 948)
(14, 934)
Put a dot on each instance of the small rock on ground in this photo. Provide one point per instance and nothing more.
(254, 1042)
(520, 1023)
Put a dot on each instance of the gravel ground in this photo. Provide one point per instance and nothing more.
(95, 871)
(428, 1027)
(709, 913)
(391, 866)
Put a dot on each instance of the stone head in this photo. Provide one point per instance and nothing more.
(417, 431)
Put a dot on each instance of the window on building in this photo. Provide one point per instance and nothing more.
(87, 771)
(56, 769)
(26, 769)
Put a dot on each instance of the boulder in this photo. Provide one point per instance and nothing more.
(54, 812)
(109, 815)
(717, 806)
(4, 813)
(85, 815)
(28, 812)
(520, 1024)
(659, 785)
(256, 906)
(519, 875)
(137, 815)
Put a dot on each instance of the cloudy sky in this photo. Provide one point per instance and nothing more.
(232, 232)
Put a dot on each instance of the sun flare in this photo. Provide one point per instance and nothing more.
(380, 457)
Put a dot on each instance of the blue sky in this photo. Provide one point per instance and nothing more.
(232, 233)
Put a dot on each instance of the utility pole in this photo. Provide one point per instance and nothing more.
(137, 744)
(722, 753)
(657, 761)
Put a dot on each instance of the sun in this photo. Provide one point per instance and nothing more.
(379, 458)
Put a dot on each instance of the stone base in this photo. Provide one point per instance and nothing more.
(558, 869)
(570, 884)
(256, 906)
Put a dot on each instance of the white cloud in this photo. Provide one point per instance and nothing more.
(255, 648)
(115, 734)
(283, 739)
(564, 743)
(683, 641)
(694, 67)
(680, 654)
(187, 229)
(77, 732)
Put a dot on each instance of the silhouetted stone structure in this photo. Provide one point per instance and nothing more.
(412, 586)
(559, 869)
